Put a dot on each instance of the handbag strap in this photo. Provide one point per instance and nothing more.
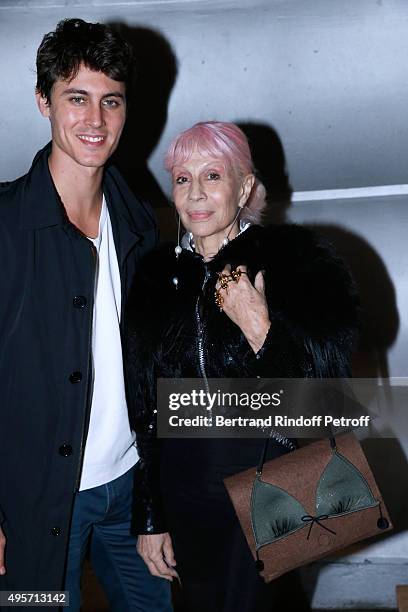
(265, 450)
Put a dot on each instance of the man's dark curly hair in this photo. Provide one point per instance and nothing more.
(75, 42)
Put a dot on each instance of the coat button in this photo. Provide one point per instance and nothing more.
(65, 450)
(75, 377)
(79, 301)
(55, 531)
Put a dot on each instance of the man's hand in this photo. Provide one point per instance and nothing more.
(245, 304)
(156, 551)
(2, 549)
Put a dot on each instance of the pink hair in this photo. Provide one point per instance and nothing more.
(225, 141)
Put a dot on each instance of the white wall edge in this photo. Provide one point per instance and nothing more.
(353, 192)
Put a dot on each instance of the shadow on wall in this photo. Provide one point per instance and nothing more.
(270, 164)
(379, 330)
(379, 314)
(156, 73)
(380, 319)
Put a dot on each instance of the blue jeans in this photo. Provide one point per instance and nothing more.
(101, 520)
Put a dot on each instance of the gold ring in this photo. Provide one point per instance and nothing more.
(224, 279)
(236, 274)
(224, 283)
(219, 300)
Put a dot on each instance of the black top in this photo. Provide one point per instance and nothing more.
(313, 311)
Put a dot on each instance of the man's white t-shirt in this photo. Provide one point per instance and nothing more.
(110, 449)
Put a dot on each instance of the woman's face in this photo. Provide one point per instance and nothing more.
(207, 193)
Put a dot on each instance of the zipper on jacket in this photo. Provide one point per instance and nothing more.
(200, 331)
(88, 397)
(281, 439)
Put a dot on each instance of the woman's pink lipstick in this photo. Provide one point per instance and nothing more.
(201, 215)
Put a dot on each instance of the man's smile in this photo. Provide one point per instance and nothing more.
(93, 140)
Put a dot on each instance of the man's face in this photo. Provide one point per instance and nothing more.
(87, 115)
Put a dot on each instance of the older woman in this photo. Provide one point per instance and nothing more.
(290, 312)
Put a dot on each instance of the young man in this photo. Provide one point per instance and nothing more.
(71, 234)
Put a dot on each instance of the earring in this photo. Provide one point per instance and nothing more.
(178, 248)
(226, 239)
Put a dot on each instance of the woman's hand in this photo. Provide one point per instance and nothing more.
(156, 551)
(246, 306)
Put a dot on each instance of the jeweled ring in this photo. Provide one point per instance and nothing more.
(236, 274)
(224, 279)
(219, 300)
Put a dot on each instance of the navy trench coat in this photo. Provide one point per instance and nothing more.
(46, 304)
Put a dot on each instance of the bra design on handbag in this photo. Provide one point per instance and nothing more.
(341, 489)
(274, 502)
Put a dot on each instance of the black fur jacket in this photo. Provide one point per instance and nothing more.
(313, 311)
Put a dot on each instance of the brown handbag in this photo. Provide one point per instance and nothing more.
(307, 504)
